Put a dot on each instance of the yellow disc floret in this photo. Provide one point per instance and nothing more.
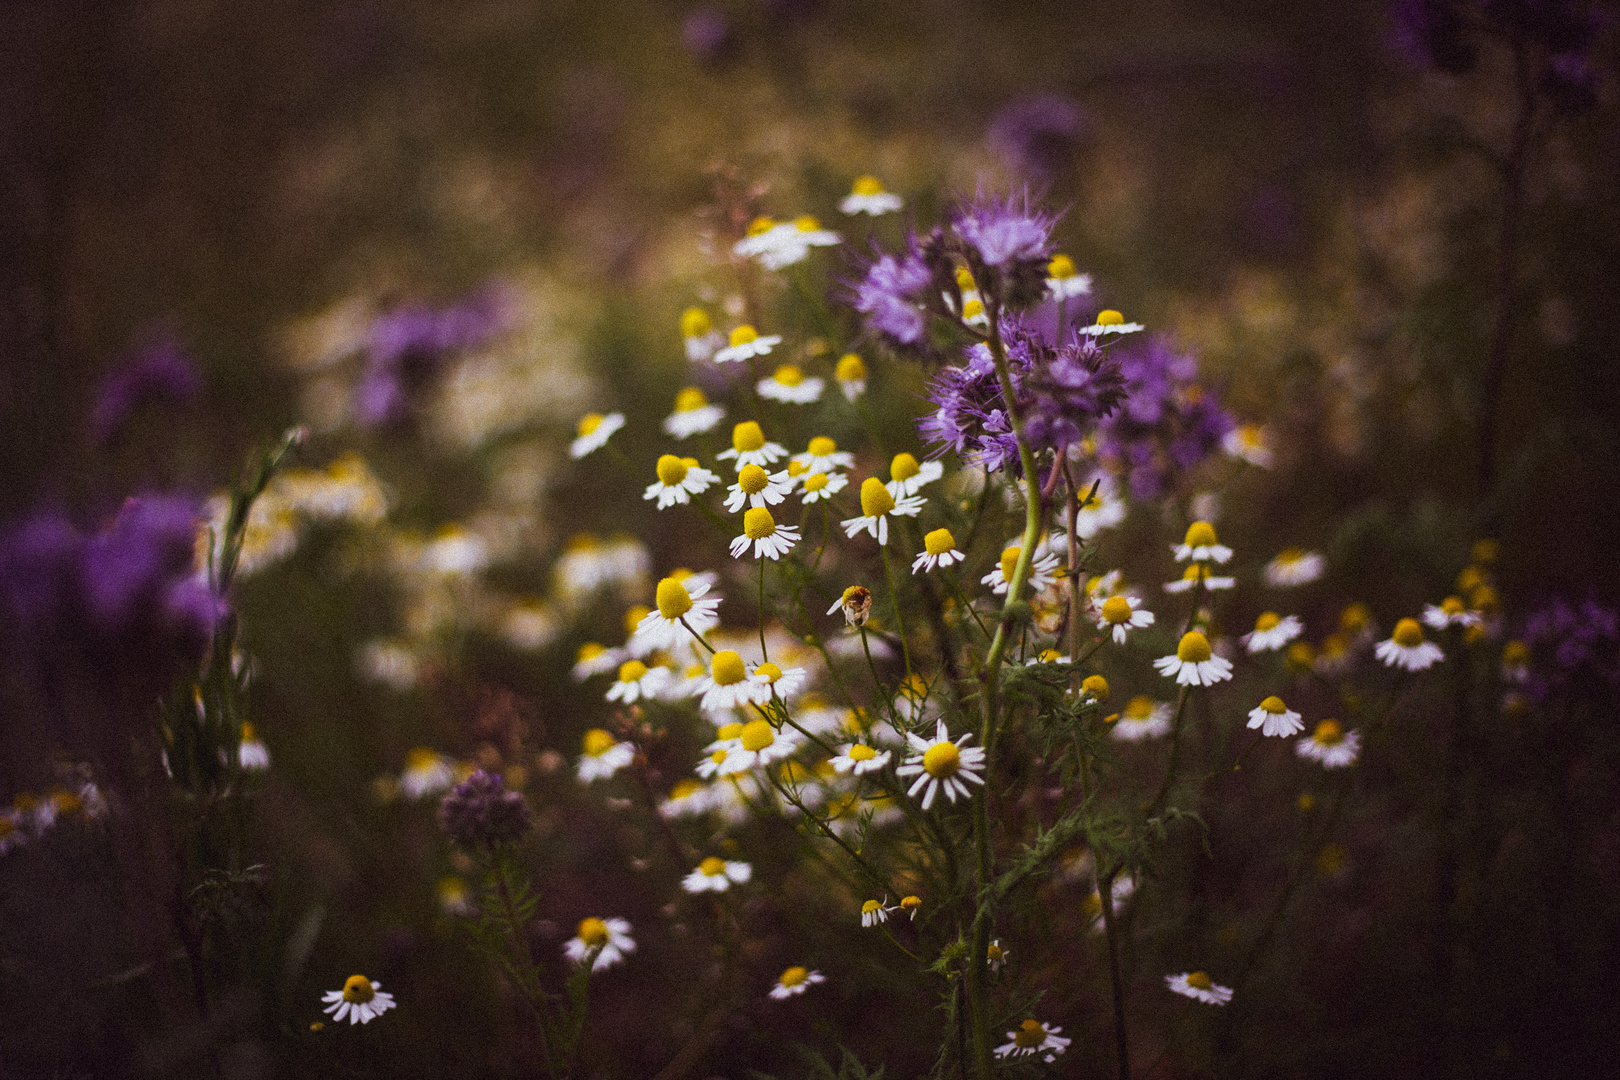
(1268, 620)
(685, 789)
(1329, 733)
(729, 731)
(904, 467)
(1200, 534)
(867, 185)
(593, 932)
(633, 617)
(1096, 686)
(942, 760)
(673, 599)
(598, 742)
(713, 866)
(1408, 634)
(757, 735)
(632, 671)
(1009, 562)
(727, 668)
(939, 542)
(973, 309)
(871, 906)
(861, 752)
(851, 368)
(753, 480)
(695, 322)
(1199, 980)
(590, 422)
(761, 224)
(1030, 1034)
(357, 990)
(875, 498)
(744, 334)
(789, 375)
(747, 437)
(421, 758)
(821, 446)
(1061, 266)
(806, 223)
(1110, 317)
(1274, 705)
(1116, 610)
(1193, 649)
(815, 481)
(794, 975)
(758, 523)
(690, 398)
(910, 903)
(671, 470)
(1139, 707)
(768, 671)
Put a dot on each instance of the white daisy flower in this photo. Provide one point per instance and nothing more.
(1041, 574)
(1294, 566)
(1122, 613)
(749, 447)
(1273, 717)
(1450, 612)
(716, 875)
(1200, 987)
(360, 1000)
(678, 480)
(589, 564)
(603, 756)
(858, 759)
(756, 487)
(759, 745)
(596, 659)
(939, 550)
(609, 939)
(786, 684)
(1406, 649)
(1063, 282)
(1193, 664)
(1033, 1037)
(822, 455)
(874, 912)
(877, 506)
(728, 685)
(907, 475)
(427, 772)
(851, 375)
(1143, 718)
(1272, 631)
(911, 700)
(636, 681)
(688, 798)
(661, 630)
(1052, 656)
(1201, 545)
(593, 433)
(746, 343)
(1110, 321)
(940, 763)
(693, 414)
(1250, 443)
(1199, 572)
(820, 487)
(1330, 745)
(701, 338)
(974, 315)
(770, 540)
(252, 755)
(867, 196)
(789, 383)
(996, 955)
(1103, 510)
(795, 980)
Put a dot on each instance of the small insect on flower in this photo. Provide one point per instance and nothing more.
(1142, 718)
(252, 755)
(1273, 717)
(756, 487)
(856, 604)
(746, 343)
(1294, 566)
(877, 507)
(678, 480)
(1330, 745)
(693, 414)
(1193, 663)
(851, 375)
(678, 599)
(715, 874)
(770, 540)
(360, 1000)
(427, 772)
(636, 681)
(1063, 282)
(996, 954)
(939, 550)
(603, 755)
(822, 455)
(907, 475)
(609, 939)
(728, 685)
(795, 980)
(749, 447)
(1272, 631)
(789, 383)
(1249, 442)
(1450, 612)
(859, 759)
(1201, 545)
(941, 763)
(1110, 321)
(701, 338)
(1122, 613)
(1198, 573)
(1200, 987)
(867, 196)
(1042, 572)
(593, 433)
(822, 486)
(873, 912)
(1406, 649)
(1033, 1037)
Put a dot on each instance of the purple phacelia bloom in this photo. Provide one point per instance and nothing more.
(405, 347)
(139, 557)
(1167, 423)
(1037, 133)
(159, 372)
(893, 293)
(1006, 232)
(480, 813)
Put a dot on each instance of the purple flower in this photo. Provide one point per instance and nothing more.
(406, 345)
(481, 813)
(140, 555)
(1037, 133)
(1581, 641)
(160, 372)
(892, 295)
(1167, 425)
(1007, 245)
(706, 34)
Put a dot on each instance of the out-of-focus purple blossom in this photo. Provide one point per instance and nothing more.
(1571, 83)
(39, 574)
(1571, 643)
(1008, 245)
(1443, 34)
(147, 546)
(159, 372)
(405, 347)
(706, 34)
(1168, 423)
(480, 813)
(893, 293)
(1036, 134)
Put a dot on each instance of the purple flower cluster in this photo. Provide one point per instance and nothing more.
(159, 372)
(1037, 133)
(1167, 423)
(1444, 34)
(480, 813)
(895, 295)
(405, 346)
(1575, 642)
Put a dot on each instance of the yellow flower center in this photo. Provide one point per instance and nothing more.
(789, 375)
(1301, 654)
(757, 735)
(1030, 1034)
(673, 599)
(851, 368)
(671, 470)
(1484, 598)
(1096, 686)
(995, 953)
(794, 975)
(1274, 705)
(861, 752)
(1194, 648)
(1408, 633)
(911, 903)
(1329, 733)
(1009, 562)
(248, 734)
(973, 309)
(1356, 617)
(713, 866)
(590, 422)
(855, 594)
(815, 481)
(685, 789)
(753, 479)
(633, 617)
(1139, 707)
(761, 225)
(598, 742)
(875, 498)
(421, 758)
(719, 756)
(1110, 317)
(769, 671)
(1195, 572)
(1116, 610)
(870, 906)
(821, 446)
(690, 398)
(357, 990)
(744, 334)
(1335, 644)
(632, 671)
(867, 185)
(1289, 556)
(593, 932)
(758, 523)
(904, 467)
(939, 542)
(1199, 980)
(66, 802)
(942, 760)
(1061, 266)
(1452, 605)
(964, 279)
(792, 772)
(1268, 620)
(1515, 654)
(726, 668)
(1200, 534)
(1486, 552)
(694, 322)
(747, 437)
(589, 651)
(1048, 656)
(806, 223)
(729, 731)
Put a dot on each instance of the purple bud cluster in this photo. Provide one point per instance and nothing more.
(1572, 643)
(1167, 423)
(480, 813)
(404, 349)
(160, 372)
(1445, 34)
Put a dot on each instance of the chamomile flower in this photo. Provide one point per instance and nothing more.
(1110, 321)
(593, 432)
(756, 487)
(1294, 566)
(758, 745)
(1033, 1037)
(454, 897)
(795, 980)
(1122, 613)
(974, 315)
(728, 686)
(661, 629)
(1272, 631)
(694, 414)
(252, 755)
(749, 447)
(1330, 745)
(939, 550)
(1201, 545)
(608, 939)
(867, 196)
(856, 604)
(1251, 443)
(874, 912)
(778, 245)
(360, 1000)
(688, 798)
(1063, 282)
(1193, 664)
(911, 905)
(1143, 718)
(907, 475)
(941, 763)
(1406, 649)
(1200, 987)
(784, 683)
(636, 681)
(1041, 573)
(1273, 717)
(818, 487)
(427, 772)
(770, 540)
(877, 506)
(789, 383)
(594, 658)
(1450, 612)
(996, 954)
(747, 343)
(851, 375)
(822, 455)
(603, 755)
(1194, 575)
(1103, 510)
(701, 338)
(858, 759)
(715, 874)
(678, 480)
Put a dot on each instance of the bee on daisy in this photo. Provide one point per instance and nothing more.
(1274, 718)
(746, 343)
(1200, 987)
(877, 507)
(940, 764)
(607, 940)
(1042, 572)
(789, 384)
(1122, 613)
(749, 446)
(756, 487)
(715, 874)
(360, 1001)
(678, 480)
(1330, 745)
(593, 432)
(1271, 632)
(866, 196)
(1033, 1037)
(602, 756)
(1406, 649)
(907, 475)
(939, 550)
(1194, 663)
(770, 540)
(795, 980)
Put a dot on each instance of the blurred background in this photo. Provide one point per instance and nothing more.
(436, 234)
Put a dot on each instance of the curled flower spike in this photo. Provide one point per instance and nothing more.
(1406, 648)
(1330, 745)
(593, 433)
(1194, 664)
(1273, 717)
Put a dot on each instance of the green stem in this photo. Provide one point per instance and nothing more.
(899, 621)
